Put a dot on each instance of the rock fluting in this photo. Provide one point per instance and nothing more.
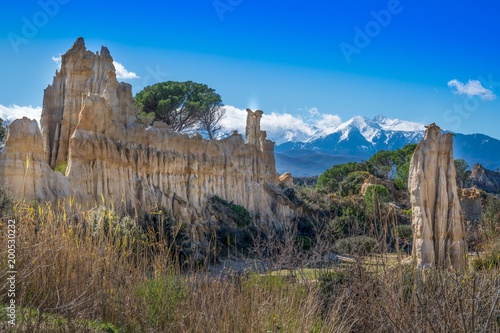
(88, 123)
(439, 233)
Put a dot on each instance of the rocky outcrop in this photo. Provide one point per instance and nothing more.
(439, 234)
(485, 179)
(286, 179)
(88, 121)
(82, 72)
(472, 202)
(23, 166)
(369, 181)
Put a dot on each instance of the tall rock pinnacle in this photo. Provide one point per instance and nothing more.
(82, 72)
(438, 231)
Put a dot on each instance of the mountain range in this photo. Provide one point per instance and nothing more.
(360, 137)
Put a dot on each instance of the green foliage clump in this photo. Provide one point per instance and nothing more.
(347, 225)
(407, 212)
(353, 182)
(359, 245)
(401, 177)
(6, 203)
(383, 162)
(143, 118)
(236, 213)
(234, 228)
(182, 105)
(161, 296)
(461, 172)
(490, 262)
(394, 164)
(376, 195)
(121, 230)
(61, 167)
(405, 231)
(346, 178)
(490, 219)
(329, 181)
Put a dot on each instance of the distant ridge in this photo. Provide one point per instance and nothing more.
(360, 137)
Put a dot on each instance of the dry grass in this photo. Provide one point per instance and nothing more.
(73, 280)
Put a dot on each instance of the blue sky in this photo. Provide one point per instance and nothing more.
(423, 61)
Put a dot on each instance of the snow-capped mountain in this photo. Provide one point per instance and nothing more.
(308, 146)
(360, 137)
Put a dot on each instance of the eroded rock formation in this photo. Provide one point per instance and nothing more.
(88, 122)
(439, 233)
(485, 179)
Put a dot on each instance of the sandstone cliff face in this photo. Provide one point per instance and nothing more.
(23, 166)
(439, 234)
(88, 121)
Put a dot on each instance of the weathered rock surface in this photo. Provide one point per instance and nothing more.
(23, 166)
(439, 233)
(485, 179)
(88, 121)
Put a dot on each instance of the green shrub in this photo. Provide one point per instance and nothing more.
(405, 231)
(407, 212)
(374, 196)
(360, 245)
(236, 213)
(490, 262)
(161, 296)
(233, 229)
(490, 219)
(347, 225)
(401, 177)
(61, 167)
(329, 180)
(122, 231)
(353, 183)
(266, 283)
(6, 203)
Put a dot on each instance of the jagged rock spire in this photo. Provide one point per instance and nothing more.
(438, 231)
(82, 72)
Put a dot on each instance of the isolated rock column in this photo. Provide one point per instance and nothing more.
(438, 230)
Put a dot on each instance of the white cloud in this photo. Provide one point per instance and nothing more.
(123, 73)
(328, 123)
(235, 120)
(13, 112)
(470, 89)
(282, 127)
(57, 60)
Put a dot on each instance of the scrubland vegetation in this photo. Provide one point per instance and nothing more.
(343, 266)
